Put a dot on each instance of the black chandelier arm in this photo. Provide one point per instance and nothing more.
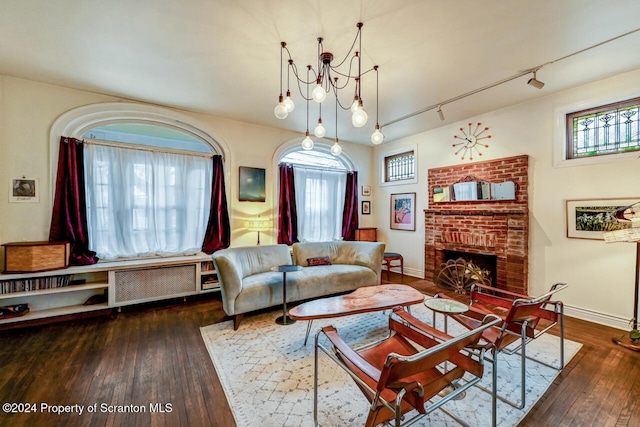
(347, 75)
(358, 37)
(303, 81)
(348, 106)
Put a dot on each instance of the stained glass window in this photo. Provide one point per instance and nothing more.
(400, 167)
(608, 129)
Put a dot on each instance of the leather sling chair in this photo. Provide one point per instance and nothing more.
(524, 318)
(406, 370)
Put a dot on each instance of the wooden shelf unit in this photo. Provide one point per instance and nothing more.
(119, 283)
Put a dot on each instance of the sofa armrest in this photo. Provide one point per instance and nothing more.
(230, 282)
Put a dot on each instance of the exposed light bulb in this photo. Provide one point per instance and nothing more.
(288, 103)
(307, 143)
(377, 137)
(319, 94)
(336, 149)
(359, 118)
(355, 105)
(281, 111)
(320, 131)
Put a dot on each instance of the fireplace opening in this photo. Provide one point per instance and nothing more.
(488, 263)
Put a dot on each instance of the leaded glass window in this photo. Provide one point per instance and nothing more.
(400, 167)
(608, 129)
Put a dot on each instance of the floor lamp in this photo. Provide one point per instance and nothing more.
(631, 214)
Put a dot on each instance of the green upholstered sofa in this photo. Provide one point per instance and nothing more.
(247, 282)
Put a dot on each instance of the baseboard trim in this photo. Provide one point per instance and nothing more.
(597, 317)
(569, 310)
(414, 272)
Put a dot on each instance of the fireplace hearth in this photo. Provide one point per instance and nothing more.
(486, 263)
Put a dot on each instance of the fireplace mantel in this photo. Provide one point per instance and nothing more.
(475, 212)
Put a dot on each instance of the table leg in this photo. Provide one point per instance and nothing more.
(306, 337)
(284, 319)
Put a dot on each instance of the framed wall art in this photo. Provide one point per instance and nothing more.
(589, 218)
(252, 185)
(24, 190)
(366, 190)
(366, 207)
(403, 210)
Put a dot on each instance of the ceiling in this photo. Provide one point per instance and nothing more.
(222, 57)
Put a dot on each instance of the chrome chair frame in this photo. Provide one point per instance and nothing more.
(520, 317)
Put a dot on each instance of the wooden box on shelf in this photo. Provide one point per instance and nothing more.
(27, 257)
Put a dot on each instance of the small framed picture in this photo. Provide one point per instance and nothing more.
(366, 207)
(403, 211)
(366, 190)
(24, 190)
(589, 218)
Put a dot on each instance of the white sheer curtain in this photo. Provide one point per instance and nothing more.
(320, 203)
(144, 203)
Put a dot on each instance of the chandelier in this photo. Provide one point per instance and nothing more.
(328, 77)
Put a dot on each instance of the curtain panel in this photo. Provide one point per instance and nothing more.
(287, 212)
(320, 203)
(69, 217)
(350, 214)
(144, 202)
(218, 234)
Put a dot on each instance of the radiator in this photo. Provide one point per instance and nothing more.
(147, 284)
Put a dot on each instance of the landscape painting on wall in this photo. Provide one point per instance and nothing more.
(588, 219)
(252, 184)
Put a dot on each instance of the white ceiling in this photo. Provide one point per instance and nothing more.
(222, 56)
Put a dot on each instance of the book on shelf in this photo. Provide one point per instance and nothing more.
(33, 284)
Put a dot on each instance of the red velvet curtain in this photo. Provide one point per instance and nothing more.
(69, 216)
(287, 214)
(218, 234)
(350, 214)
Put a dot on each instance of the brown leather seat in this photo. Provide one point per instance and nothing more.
(405, 371)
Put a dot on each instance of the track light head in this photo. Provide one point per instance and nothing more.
(440, 113)
(535, 82)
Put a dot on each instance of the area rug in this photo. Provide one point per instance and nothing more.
(267, 373)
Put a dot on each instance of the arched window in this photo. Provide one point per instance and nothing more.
(148, 183)
(323, 188)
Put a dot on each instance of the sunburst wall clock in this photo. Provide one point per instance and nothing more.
(470, 140)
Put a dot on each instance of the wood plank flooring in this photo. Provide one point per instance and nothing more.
(152, 357)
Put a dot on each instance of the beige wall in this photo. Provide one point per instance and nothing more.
(601, 276)
(29, 109)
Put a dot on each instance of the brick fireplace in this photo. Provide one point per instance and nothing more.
(497, 228)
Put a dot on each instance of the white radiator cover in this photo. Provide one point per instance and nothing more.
(147, 284)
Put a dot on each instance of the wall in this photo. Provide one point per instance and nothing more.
(28, 110)
(600, 276)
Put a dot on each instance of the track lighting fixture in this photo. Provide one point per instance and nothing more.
(535, 82)
(322, 82)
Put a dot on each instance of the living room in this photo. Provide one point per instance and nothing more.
(600, 275)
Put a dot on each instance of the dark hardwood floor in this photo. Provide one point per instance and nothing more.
(154, 355)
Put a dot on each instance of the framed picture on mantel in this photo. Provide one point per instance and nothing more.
(403, 211)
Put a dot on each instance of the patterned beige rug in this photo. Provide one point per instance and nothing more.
(267, 374)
